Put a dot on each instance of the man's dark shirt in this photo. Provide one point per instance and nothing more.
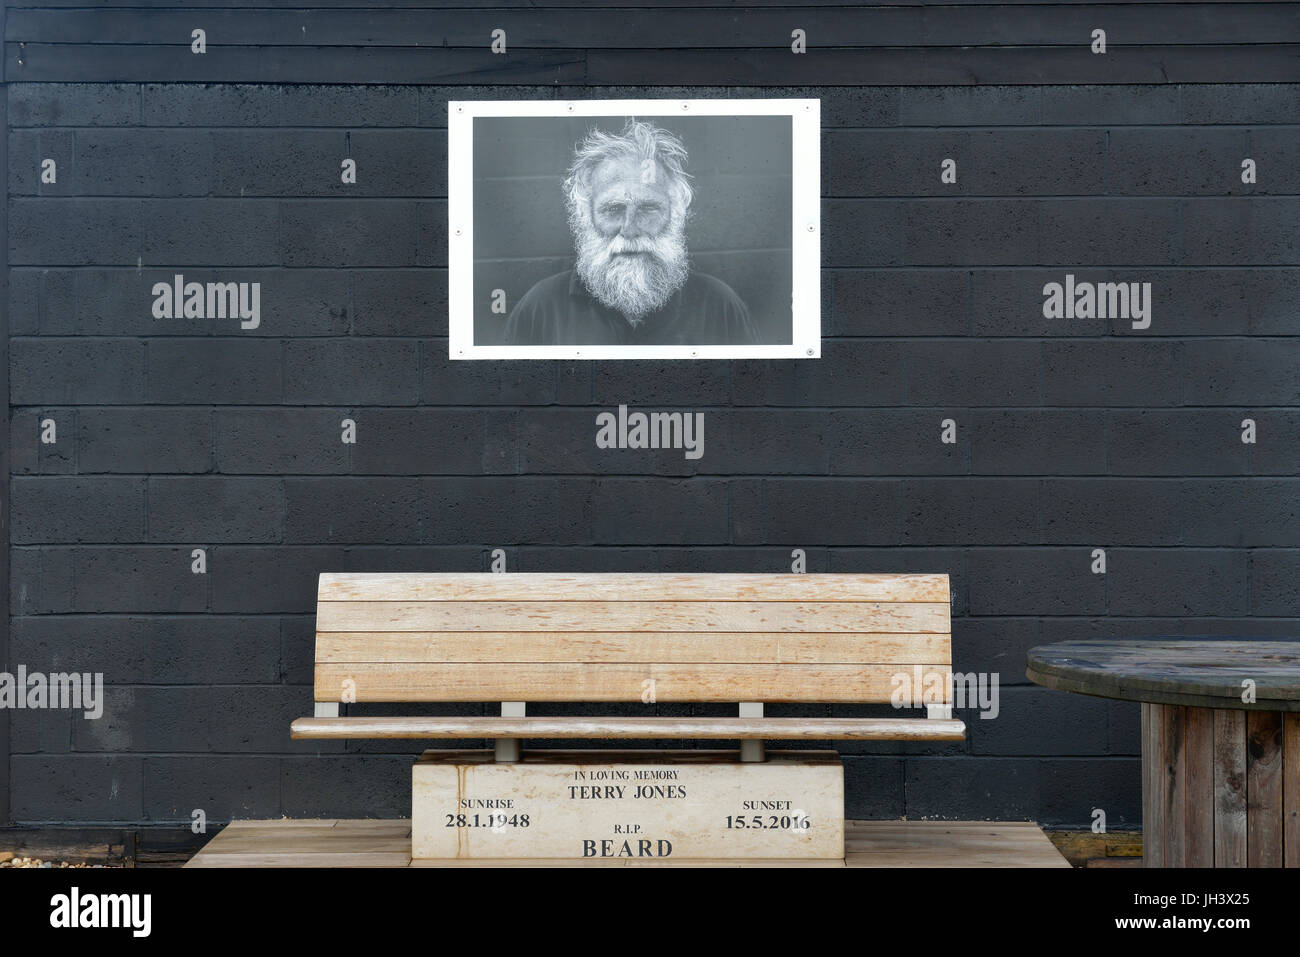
(560, 311)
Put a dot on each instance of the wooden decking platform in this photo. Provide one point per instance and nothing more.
(334, 843)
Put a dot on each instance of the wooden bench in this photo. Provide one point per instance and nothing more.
(744, 639)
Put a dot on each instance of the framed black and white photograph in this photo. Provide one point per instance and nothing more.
(634, 229)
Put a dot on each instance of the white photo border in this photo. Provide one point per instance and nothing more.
(805, 224)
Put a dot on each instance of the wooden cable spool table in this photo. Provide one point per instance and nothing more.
(1220, 740)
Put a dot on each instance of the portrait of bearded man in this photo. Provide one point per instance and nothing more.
(628, 197)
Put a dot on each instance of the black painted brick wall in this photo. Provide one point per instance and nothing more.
(1072, 434)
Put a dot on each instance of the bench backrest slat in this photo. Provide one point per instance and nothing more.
(625, 586)
(603, 637)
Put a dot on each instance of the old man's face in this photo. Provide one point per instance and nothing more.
(623, 202)
(631, 248)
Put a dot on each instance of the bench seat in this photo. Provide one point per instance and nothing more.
(654, 638)
(784, 729)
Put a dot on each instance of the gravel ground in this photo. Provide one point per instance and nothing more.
(8, 859)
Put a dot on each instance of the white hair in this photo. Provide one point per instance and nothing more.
(639, 141)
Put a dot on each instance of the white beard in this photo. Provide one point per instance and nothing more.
(633, 285)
